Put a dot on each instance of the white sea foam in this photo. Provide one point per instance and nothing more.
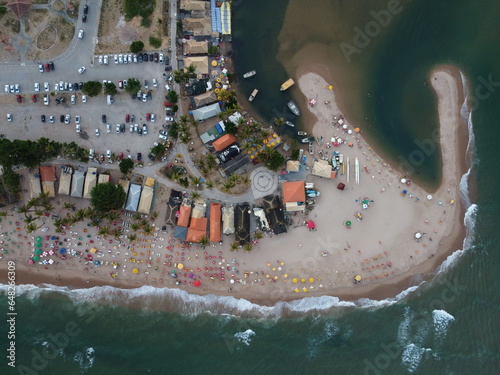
(412, 356)
(442, 321)
(245, 337)
(85, 359)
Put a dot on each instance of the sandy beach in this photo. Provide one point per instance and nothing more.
(379, 245)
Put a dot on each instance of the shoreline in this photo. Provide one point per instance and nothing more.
(379, 290)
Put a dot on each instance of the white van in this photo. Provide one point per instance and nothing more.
(110, 100)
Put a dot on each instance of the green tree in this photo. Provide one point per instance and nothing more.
(278, 121)
(234, 246)
(273, 160)
(204, 241)
(12, 180)
(92, 88)
(133, 86)
(155, 42)
(110, 88)
(136, 46)
(175, 108)
(172, 96)
(231, 127)
(258, 235)
(158, 150)
(295, 154)
(126, 166)
(213, 50)
(107, 196)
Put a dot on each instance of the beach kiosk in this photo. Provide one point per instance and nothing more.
(294, 196)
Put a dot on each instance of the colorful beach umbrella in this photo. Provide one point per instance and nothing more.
(38, 251)
(135, 270)
(38, 238)
(62, 250)
(357, 278)
(295, 280)
(311, 279)
(38, 245)
(197, 283)
(36, 258)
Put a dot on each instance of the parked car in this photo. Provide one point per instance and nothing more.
(108, 154)
(70, 87)
(167, 87)
(81, 70)
(106, 61)
(139, 156)
(131, 128)
(33, 98)
(148, 116)
(47, 67)
(162, 136)
(86, 9)
(146, 84)
(153, 117)
(169, 119)
(155, 83)
(120, 59)
(97, 133)
(122, 128)
(161, 58)
(67, 119)
(40, 68)
(108, 128)
(100, 60)
(51, 65)
(46, 99)
(78, 128)
(156, 57)
(84, 98)
(144, 129)
(139, 57)
(103, 118)
(118, 128)
(144, 98)
(91, 153)
(73, 99)
(116, 59)
(77, 119)
(130, 59)
(84, 18)
(120, 156)
(163, 132)
(61, 118)
(145, 57)
(120, 84)
(37, 86)
(9, 117)
(19, 98)
(127, 118)
(17, 88)
(136, 127)
(80, 36)
(46, 86)
(52, 119)
(135, 59)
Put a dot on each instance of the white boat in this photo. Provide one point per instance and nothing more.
(287, 84)
(356, 166)
(253, 95)
(308, 140)
(301, 133)
(293, 107)
(311, 148)
(249, 74)
(301, 152)
(290, 124)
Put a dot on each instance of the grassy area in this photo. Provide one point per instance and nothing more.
(143, 8)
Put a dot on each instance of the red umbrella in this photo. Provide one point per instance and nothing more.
(311, 224)
(197, 283)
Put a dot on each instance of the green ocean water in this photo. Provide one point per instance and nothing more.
(447, 326)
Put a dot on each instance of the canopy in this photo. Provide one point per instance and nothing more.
(135, 270)
(38, 238)
(36, 258)
(38, 245)
(295, 280)
(357, 278)
(311, 224)
(62, 250)
(180, 266)
(197, 283)
(294, 191)
(38, 251)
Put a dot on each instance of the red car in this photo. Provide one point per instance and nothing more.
(127, 118)
(120, 156)
(148, 116)
(33, 97)
(47, 67)
(19, 98)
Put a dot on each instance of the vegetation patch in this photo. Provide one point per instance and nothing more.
(143, 8)
(155, 42)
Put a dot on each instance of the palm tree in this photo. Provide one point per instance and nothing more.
(132, 237)
(175, 176)
(196, 181)
(112, 216)
(179, 76)
(28, 219)
(223, 115)
(103, 231)
(154, 215)
(224, 95)
(69, 205)
(147, 229)
(134, 227)
(210, 161)
(279, 121)
(137, 216)
(89, 212)
(195, 195)
(22, 210)
(191, 71)
(79, 215)
(258, 235)
(228, 185)
(3, 213)
(116, 233)
(248, 247)
(38, 212)
(209, 184)
(204, 241)
(245, 179)
(234, 178)
(31, 227)
(234, 246)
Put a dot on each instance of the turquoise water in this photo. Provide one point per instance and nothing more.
(447, 326)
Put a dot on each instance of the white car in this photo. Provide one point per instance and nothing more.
(17, 89)
(135, 59)
(155, 84)
(161, 58)
(61, 85)
(84, 98)
(136, 128)
(81, 70)
(37, 86)
(106, 60)
(161, 136)
(118, 128)
(78, 128)
(80, 34)
(144, 98)
(46, 86)
(116, 59)
(7, 89)
(120, 59)
(9, 117)
(12, 90)
(97, 133)
(169, 119)
(46, 99)
(153, 117)
(73, 99)
(92, 152)
(77, 119)
(67, 119)
(108, 154)
(167, 87)
(108, 128)
(100, 60)
(130, 60)
(131, 128)
(56, 87)
(144, 129)
(52, 119)
(40, 68)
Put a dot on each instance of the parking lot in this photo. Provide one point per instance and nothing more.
(26, 123)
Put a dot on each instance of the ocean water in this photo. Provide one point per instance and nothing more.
(448, 325)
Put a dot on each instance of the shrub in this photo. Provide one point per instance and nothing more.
(155, 42)
(136, 46)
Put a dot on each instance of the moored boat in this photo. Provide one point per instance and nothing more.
(301, 133)
(249, 74)
(293, 107)
(253, 95)
(290, 124)
(311, 148)
(308, 140)
(287, 84)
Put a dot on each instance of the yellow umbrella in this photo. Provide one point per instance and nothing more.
(357, 278)
(297, 290)
(311, 279)
(295, 280)
(356, 130)
(252, 157)
(273, 144)
(217, 91)
(135, 270)
(330, 87)
(285, 275)
(180, 266)
(304, 290)
(214, 63)
(275, 277)
(249, 151)
(274, 268)
(219, 80)
(303, 280)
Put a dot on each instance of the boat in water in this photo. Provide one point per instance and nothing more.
(308, 140)
(290, 124)
(311, 148)
(253, 95)
(287, 84)
(249, 74)
(301, 133)
(293, 107)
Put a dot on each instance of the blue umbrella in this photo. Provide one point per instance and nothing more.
(404, 191)
(52, 238)
(62, 250)
(97, 262)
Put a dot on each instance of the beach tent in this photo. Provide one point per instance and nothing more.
(90, 182)
(261, 218)
(65, 181)
(292, 166)
(197, 283)
(77, 184)
(34, 185)
(242, 223)
(207, 112)
(322, 168)
(228, 220)
(223, 142)
(103, 178)
(215, 217)
(180, 233)
(271, 201)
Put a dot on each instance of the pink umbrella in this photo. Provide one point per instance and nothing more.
(311, 224)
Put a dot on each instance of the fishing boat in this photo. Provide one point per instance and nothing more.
(249, 74)
(293, 107)
(253, 95)
(304, 159)
(313, 193)
(301, 133)
(311, 148)
(308, 140)
(290, 124)
(287, 84)
(301, 152)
